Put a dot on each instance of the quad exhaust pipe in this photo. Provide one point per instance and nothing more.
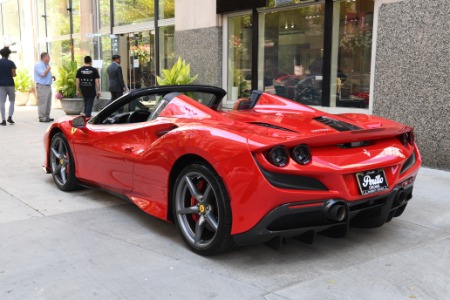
(336, 211)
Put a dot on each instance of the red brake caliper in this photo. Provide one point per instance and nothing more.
(200, 186)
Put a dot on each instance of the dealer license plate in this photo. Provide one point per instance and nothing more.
(372, 181)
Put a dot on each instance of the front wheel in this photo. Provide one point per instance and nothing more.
(62, 163)
(202, 210)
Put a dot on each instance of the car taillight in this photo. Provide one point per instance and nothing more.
(278, 156)
(407, 138)
(411, 138)
(301, 154)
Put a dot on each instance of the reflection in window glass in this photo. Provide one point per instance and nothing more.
(83, 47)
(166, 47)
(104, 13)
(141, 67)
(133, 11)
(76, 15)
(239, 56)
(166, 9)
(352, 83)
(10, 20)
(105, 41)
(292, 53)
(58, 21)
(59, 51)
(278, 3)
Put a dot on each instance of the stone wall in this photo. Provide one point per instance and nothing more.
(412, 73)
(202, 48)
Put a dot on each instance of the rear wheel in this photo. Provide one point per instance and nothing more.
(62, 163)
(202, 210)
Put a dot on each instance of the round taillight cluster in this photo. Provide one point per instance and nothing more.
(279, 155)
(301, 154)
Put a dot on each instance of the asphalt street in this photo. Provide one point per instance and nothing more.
(91, 245)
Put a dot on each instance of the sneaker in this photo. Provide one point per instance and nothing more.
(10, 120)
(3, 123)
(50, 119)
(44, 120)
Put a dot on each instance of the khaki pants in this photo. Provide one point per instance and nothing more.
(44, 100)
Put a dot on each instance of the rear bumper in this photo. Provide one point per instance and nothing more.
(304, 220)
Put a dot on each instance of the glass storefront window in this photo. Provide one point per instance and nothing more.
(278, 3)
(105, 50)
(133, 11)
(104, 9)
(10, 16)
(166, 9)
(59, 51)
(352, 36)
(291, 52)
(141, 63)
(76, 13)
(239, 56)
(166, 47)
(58, 21)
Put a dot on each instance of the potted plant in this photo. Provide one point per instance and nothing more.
(179, 74)
(66, 87)
(24, 86)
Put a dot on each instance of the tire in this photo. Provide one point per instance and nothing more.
(62, 164)
(202, 211)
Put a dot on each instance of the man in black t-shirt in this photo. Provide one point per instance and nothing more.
(88, 81)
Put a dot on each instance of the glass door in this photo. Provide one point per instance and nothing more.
(141, 64)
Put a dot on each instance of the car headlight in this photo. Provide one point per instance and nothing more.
(301, 154)
(278, 156)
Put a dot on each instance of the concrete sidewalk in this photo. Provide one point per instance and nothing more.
(91, 245)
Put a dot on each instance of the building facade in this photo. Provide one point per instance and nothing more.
(386, 57)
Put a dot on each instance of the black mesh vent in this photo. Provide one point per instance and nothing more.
(271, 126)
(336, 124)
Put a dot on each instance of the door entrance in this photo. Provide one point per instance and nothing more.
(141, 70)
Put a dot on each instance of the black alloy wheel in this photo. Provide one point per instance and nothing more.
(202, 210)
(62, 163)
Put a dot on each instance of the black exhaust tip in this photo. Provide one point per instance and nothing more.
(336, 211)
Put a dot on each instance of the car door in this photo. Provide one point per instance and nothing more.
(105, 154)
(105, 151)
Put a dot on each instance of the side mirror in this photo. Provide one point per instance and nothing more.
(79, 122)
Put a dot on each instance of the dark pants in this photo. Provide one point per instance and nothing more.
(88, 104)
(115, 95)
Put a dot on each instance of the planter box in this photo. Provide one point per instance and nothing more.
(72, 106)
(22, 98)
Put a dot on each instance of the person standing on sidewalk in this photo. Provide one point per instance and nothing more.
(88, 81)
(7, 87)
(43, 78)
(116, 84)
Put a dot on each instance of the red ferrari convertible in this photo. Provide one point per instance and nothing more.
(268, 170)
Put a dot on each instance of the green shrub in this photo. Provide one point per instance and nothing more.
(23, 81)
(66, 83)
(179, 74)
